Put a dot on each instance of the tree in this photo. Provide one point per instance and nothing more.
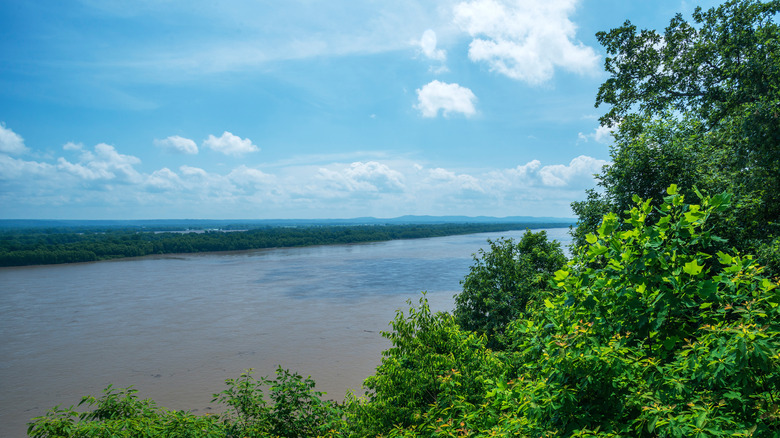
(504, 281)
(699, 106)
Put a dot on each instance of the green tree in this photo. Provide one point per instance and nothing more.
(504, 282)
(697, 105)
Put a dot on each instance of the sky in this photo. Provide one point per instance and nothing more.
(260, 109)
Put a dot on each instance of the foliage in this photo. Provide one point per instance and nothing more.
(648, 336)
(698, 106)
(297, 411)
(433, 366)
(504, 282)
(660, 339)
(726, 59)
(119, 413)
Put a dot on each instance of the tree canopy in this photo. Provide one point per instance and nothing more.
(698, 106)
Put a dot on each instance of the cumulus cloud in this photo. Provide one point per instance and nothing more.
(450, 98)
(11, 142)
(580, 170)
(428, 45)
(13, 168)
(578, 173)
(525, 39)
(247, 176)
(164, 180)
(602, 134)
(104, 164)
(441, 177)
(360, 176)
(230, 144)
(177, 144)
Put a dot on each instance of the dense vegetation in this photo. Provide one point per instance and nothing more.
(698, 106)
(38, 247)
(660, 325)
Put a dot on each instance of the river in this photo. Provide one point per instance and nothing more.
(175, 327)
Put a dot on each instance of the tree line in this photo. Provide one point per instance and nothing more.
(36, 247)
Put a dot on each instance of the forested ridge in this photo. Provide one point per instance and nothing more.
(63, 245)
(665, 321)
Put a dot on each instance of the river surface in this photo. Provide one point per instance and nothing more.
(175, 327)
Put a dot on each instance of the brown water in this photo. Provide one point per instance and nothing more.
(176, 327)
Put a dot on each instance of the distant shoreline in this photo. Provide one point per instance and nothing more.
(76, 244)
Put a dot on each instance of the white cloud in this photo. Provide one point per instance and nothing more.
(163, 179)
(12, 168)
(247, 176)
(230, 144)
(428, 45)
(579, 171)
(525, 39)
(177, 144)
(576, 175)
(370, 176)
(450, 98)
(11, 142)
(104, 164)
(192, 171)
(443, 177)
(602, 134)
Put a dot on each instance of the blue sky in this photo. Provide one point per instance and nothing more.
(141, 109)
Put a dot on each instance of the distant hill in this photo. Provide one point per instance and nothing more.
(183, 224)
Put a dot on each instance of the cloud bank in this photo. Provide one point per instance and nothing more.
(73, 184)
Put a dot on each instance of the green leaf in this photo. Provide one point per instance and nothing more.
(724, 258)
(597, 249)
(693, 267)
(561, 275)
(672, 190)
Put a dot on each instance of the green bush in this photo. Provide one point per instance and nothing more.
(663, 338)
(297, 411)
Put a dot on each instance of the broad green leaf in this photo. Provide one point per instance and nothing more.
(724, 258)
(561, 275)
(693, 267)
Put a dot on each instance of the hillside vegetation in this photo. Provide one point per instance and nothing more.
(665, 322)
